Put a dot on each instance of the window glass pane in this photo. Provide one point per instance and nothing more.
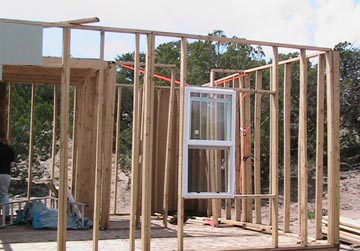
(210, 117)
(208, 170)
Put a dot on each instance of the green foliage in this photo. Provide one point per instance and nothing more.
(202, 57)
(311, 215)
(350, 100)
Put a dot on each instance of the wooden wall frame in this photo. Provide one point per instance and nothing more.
(101, 72)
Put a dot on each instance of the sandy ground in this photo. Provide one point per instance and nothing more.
(197, 236)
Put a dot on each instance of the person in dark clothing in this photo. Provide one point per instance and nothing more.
(7, 162)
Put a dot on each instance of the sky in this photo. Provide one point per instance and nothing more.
(312, 22)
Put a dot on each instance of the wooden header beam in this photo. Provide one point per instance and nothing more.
(143, 64)
(164, 34)
(82, 21)
(287, 61)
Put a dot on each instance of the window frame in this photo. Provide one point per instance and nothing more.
(201, 144)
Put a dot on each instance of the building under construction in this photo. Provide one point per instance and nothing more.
(195, 149)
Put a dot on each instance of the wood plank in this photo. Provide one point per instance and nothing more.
(169, 140)
(85, 175)
(274, 152)
(99, 148)
(303, 161)
(313, 247)
(287, 144)
(213, 157)
(147, 144)
(238, 183)
(257, 145)
(117, 147)
(333, 143)
(183, 82)
(249, 225)
(135, 172)
(64, 138)
(157, 65)
(283, 62)
(74, 143)
(157, 166)
(245, 150)
(54, 134)
(108, 142)
(82, 20)
(319, 146)
(75, 63)
(344, 221)
(141, 157)
(336, 127)
(31, 140)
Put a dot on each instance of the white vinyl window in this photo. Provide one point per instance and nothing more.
(209, 143)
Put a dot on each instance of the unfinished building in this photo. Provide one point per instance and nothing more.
(203, 162)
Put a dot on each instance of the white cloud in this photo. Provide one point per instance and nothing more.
(337, 21)
(324, 23)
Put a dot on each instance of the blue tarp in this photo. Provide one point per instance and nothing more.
(41, 217)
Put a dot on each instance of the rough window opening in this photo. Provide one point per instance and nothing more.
(209, 143)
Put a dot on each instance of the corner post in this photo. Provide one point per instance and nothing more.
(183, 70)
(64, 138)
(274, 152)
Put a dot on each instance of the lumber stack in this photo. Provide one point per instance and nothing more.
(349, 230)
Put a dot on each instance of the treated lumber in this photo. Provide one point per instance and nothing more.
(31, 140)
(183, 81)
(135, 172)
(169, 140)
(64, 138)
(147, 154)
(287, 144)
(117, 147)
(319, 145)
(257, 145)
(333, 143)
(303, 158)
(274, 151)
(99, 147)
